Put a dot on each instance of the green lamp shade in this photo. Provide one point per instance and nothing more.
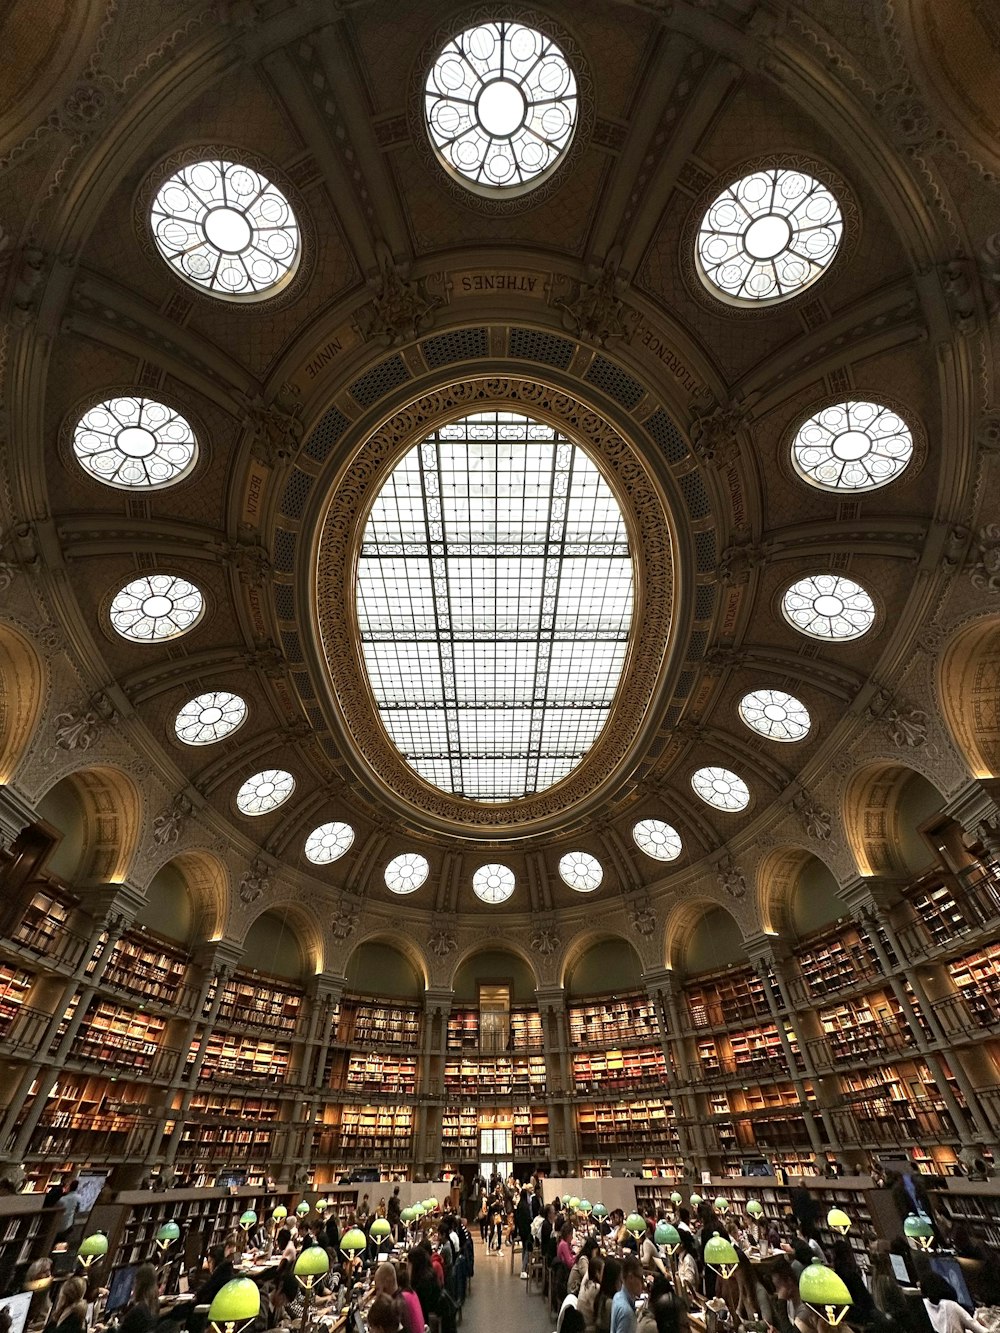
(235, 1303)
(248, 1219)
(303, 1209)
(599, 1211)
(676, 1198)
(824, 1292)
(667, 1235)
(280, 1213)
(380, 1228)
(573, 1202)
(635, 1224)
(93, 1247)
(312, 1262)
(169, 1232)
(837, 1220)
(720, 1255)
(721, 1205)
(695, 1200)
(431, 1203)
(756, 1209)
(585, 1207)
(321, 1205)
(408, 1215)
(919, 1229)
(354, 1242)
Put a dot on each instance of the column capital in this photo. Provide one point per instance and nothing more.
(551, 997)
(326, 987)
(661, 981)
(871, 895)
(116, 905)
(977, 809)
(438, 1000)
(15, 815)
(219, 956)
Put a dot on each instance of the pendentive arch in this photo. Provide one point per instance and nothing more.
(206, 880)
(780, 882)
(587, 942)
(501, 944)
(393, 939)
(109, 824)
(879, 820)
(969, 690)
(22, 692)
(303, 921)
(682, 923)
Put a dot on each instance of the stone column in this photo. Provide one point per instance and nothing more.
(660, 986)
(560, 1089)
(427, 1116)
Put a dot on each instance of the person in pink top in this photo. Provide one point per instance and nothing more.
(564, 1250)
(413, 1315)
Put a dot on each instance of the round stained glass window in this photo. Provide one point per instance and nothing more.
(493, 883)
(853, 446)
(828, 606)
(657, 839)
(405, 873)
(501, 105)
(722, 788)
(155, 608)
(768, 236)
(134, 442)
(581, 871)
(210, 717)
(265, 791)
(775, 714)
(328, 843)
(226, 229)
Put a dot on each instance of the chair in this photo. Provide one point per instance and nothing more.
(536, 1271)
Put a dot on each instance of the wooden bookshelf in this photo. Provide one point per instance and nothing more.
(205, 1216)
(24, 1235)
(614, 1021)
(235, 1058)
(15, 984)
(45, 920)
(531, 1133)
(117, 1035)
(86, 1119)
(381, 1024)
(142, 966)
(373, 1072)
(376, 1133)
(870, 1026)
(219, 1128)
(838, 961)
(974, 1203)
(252, 1001)
(526, 1030)
(460, 1134)
(619, 1070)
(721, 999)
(977, 977)
(636, 1129)
(938, 912)
(500, 1078)
(463, 1030)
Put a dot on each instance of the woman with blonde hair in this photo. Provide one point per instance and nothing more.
(145, 1308)
(38, 1280)
(70, 1314)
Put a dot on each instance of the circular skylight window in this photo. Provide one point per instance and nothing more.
(493, 883)
(405, 873)
(209, 717)
(134, 442)
(768, 236)
(226, 229)
(775, 714)
(265, 791)
(581, 871)
(828, 606)
(156, 607)
(657, 839)
(328, 843)
(722, 788)
(853, 446)
(501, 105)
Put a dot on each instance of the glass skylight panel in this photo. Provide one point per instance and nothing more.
(226, 229)
(657, 839)
(768, 236)
(828, 606)
(581, 871)
(265, 791)
(134, 443)
(493, 883)
(722, 788)
(852, 446)
(155, 608)
(775, 714)
(494, 601)
(405, 873)
(328, 843)
(210, 717)
(501, 105)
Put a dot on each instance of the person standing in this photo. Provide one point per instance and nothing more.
(522, 1221)
(623, 1316)
(70, 1205)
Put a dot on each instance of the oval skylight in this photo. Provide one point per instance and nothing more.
(657, 839)
(581, 871)
(500, 103)
(405, 873)
(210, 717)
(156, 607)
(828, 606)
(768, 236)
(493, 883)
(852, 446)
(226, 229)
(722, 788)
(775, 714)
(494, 601)
(134, 442)
(328, 843)
(265, 791)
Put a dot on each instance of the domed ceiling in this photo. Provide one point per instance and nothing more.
(489, 462)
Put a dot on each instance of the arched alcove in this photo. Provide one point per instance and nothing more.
(22, 691)
(969, 685)
(884, 806)
(98, 811)
(273, 945)
(702, 929)
(494, 967)
(606, 964)
(62, 808)
(169, 909)
(797, 893)
(381, 967)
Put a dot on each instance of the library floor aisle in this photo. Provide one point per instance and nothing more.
(500, 1303)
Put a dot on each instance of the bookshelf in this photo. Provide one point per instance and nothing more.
(382, 1024)
(463, 1030)
(24, 1232)
(15, 983)
(235, 1058)
(642, 1129)
(861, 1028)
(118, 1036)
(759, 1051)
(257, 1002)
(502, 1078)
(938, 912)
(45, 920)
(973, 1203)
(376, 1133)
(839, 961)
(614, 1021)
(219, 1128)
(204, 1215)
(977, 978)
(143, 967)
(460, 1134)
(719, 1000)
(526, 1030)
(619, 1070)
(373, 1072)
(530, 1139)
(84, 1119)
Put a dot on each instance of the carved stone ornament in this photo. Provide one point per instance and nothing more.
(731, 878)
(960, 282)
(266, 657)
(988, 429)
(254, 881)
(169, 824)
(907, 117)
(817, 822)
(597, 313)
(441, 943)
(78, 728)
(7, 573)
(400, 309)
(907, 727)
(739, 559)
(344, 922)
(643, 918)
(545, 940)
(714, 434)
(984, 570)
(275, 431)
(250, 560)
(28, 285)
